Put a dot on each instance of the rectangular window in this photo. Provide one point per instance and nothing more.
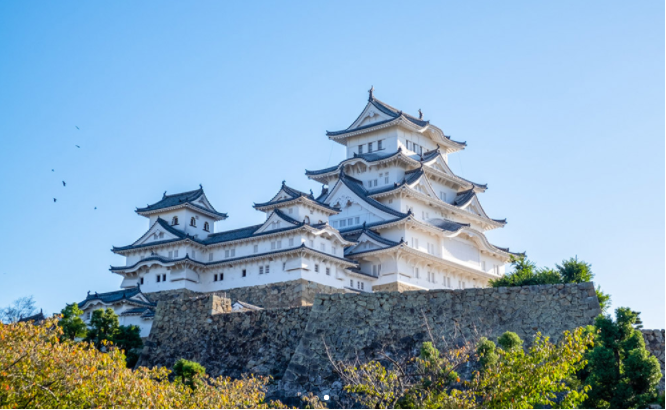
(244, 273)
(350, 221)
(170, 254)
(442, 196)
(335, 251)
(175, 254)
(323, 247)
(334, 224)
(358, 284)
(328, 271)
(164, 277)
(362, 286)
(343, 223)
(386, 181)
(374, 270)
(311, 244)
(357, 220)
(379, 269)
(351, 283)
(221, 276)
(409, 145)
(483, 265)
(360, 149)
(261, 270)
(256, 248)
(210, 257)
(369, 146)
(284, 265)
(291, 241)
(448, 282)
(279, 244)
(159, 278)
(380, 144)
(233, 252)
(226, 253)
(194, 253)
(268, 268)
(215, 278)
(375, 182)
(272, 245)
(416, 273)
(142, 281)
(316, 268)
(291, 211)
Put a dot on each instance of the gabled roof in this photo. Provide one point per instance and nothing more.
(118, 295)
(179, 235)
(181, 199)
(39, 317)
(357, 188)
(291, 195)
(393, 114)
(448, 225)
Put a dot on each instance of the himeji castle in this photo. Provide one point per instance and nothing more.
(392, 216)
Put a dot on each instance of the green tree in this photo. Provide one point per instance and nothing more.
(188, 371)
(103, 326)
(71, 323)
(128, 338)
(514, 378)
(526, 273)
(620, 371)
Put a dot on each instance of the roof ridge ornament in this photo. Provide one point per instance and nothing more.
(420, 114)
(370, 91)
(164, 195)
(200, 186)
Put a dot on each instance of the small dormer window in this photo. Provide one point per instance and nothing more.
(193, 222)
(174, 220)
(206, 227)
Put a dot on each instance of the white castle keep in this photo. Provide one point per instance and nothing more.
(392, 216)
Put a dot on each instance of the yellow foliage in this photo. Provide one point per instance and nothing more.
(39, 370)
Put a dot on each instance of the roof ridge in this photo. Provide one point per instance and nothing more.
(236, 230)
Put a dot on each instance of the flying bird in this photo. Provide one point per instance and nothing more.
(77, 146)
(77, 127)
(64, 183)
(53, 170)
(95, 207)
(54, 199)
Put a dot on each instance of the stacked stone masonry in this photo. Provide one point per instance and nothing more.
(290, 343)
(654, 342)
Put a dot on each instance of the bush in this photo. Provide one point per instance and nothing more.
(42, 369)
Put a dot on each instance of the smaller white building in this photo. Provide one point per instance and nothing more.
(131, 306)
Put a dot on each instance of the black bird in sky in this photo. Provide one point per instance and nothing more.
(95, 207)
(63, 183)
(77, 127)
(54, 199)
(77, 146)
(53, 170)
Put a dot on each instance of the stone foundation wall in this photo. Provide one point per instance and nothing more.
(227, 343)
(355, 326)
(394, 287)
(293, 293)
(654, 343)
(290, 343)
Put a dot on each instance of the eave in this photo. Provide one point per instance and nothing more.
(217, 216)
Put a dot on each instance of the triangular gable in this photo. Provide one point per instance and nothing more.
(366, 243)
(140, 297)
(439, 164)
(203, 202)
(157, 233)
(474, 206)
(369, 115)
(274, 222)
(422, 185)
(341, 195)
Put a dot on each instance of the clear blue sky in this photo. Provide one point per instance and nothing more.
(561, 103)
